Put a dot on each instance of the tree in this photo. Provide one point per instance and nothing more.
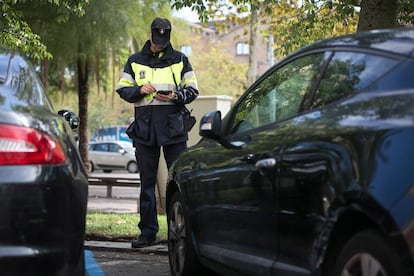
(294, 25)
(101, 26)
(297, 23)
(17, 34)
(105, 26)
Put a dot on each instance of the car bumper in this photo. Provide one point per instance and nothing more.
(42, 218)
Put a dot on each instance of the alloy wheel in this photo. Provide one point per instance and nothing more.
(363, 264)
(177, 238)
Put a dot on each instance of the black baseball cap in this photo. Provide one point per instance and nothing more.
(160, 31)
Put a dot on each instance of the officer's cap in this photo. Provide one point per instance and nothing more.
(160, 31)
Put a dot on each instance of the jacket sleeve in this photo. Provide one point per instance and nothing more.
(189, 90)
(127, 86)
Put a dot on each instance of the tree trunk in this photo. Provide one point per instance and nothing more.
(44, 72)
(113, 78)
(62, 84)
(377, 14)
(98, 76)
(83, 92)
(252, 71)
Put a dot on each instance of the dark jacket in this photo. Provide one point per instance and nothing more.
(158, 123)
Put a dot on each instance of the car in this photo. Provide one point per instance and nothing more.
(112, 155)
(43, 183)
(309, 173)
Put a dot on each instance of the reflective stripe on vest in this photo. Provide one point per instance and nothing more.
(160, 78)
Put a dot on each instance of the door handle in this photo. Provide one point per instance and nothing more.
(265, 166)
(267, 163)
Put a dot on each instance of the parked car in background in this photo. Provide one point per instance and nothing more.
(310, 173)
(43, 183)
(112, 155)
(111, 133)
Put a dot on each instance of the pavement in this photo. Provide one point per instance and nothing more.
(123, 200)
(160, 248)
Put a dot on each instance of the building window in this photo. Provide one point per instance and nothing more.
(242, 48)
(186, 50)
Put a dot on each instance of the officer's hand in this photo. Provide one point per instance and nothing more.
(147, 88)
(163, 97)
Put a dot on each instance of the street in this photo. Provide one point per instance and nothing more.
(124, 199)
(112, 263)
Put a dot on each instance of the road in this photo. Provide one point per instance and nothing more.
(113, 263)
(124, 199)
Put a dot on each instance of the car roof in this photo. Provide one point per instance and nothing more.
(396, 41)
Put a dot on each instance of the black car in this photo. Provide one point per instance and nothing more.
(43, 183)
(310, 173)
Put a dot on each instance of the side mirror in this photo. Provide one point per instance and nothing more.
(210, 125)
(70, 117)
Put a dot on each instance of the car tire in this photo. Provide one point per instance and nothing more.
(132, 167)
(181, 253)
(368, 253)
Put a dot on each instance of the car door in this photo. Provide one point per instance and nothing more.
(235, 195)
(322, 158)
(99, 153)
(116, 155)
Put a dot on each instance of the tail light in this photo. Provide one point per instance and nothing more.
(23, 146)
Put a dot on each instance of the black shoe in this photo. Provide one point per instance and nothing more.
(143, 241)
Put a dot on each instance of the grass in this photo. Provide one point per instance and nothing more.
(113, 226)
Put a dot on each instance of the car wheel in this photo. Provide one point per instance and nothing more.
(367, 253)
(132, 167)
(181, 253)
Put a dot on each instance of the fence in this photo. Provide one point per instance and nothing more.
(110, 182)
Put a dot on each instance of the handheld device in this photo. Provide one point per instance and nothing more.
(164, 92)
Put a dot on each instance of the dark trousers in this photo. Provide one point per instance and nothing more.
(147, 159)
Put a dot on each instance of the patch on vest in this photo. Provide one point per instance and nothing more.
(142, 74)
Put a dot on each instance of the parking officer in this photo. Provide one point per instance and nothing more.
(159, 81)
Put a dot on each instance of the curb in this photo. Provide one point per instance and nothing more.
(160, 248)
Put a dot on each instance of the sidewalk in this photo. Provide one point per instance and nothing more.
(124, 200)
(161, 248)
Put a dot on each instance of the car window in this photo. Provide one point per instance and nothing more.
(114, 147)
(279, 95)
(348, 73)
(101, 147)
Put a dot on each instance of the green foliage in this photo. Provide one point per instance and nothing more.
(16, 34)
(406, 12)
(15, 31)
(294, 25)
